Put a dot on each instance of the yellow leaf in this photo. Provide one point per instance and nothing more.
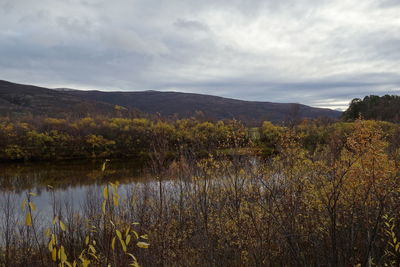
(94, 256)
(28, 219)
(85, 262)
(113, 243)
(131, 255)
(92, 249)
(103, 168)
(103, 207)
(62, 226)
(127, 231)
(32, 194)
(51, 246)
(32, 206)
(128, 239)
(118, 234)
(53, 239)
(121, 240)
(105, 192)
(143, 244)
(54, 254)
(87, 240)
(123, 245)
(115, 200)
(136, 234)
(63, 256)
(144, 236)
(47, 232)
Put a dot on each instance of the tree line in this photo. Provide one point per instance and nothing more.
(373, 107)
(43, 138)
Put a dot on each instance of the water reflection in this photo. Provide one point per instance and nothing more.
(70, 180)
(73, 181)
(19, 177)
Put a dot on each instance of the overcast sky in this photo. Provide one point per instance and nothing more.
(317, 52)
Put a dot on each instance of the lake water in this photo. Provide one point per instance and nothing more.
(71, 180)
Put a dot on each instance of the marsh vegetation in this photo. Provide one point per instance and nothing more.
(314, 194)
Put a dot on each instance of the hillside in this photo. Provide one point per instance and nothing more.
(16, 99)
(26, 98)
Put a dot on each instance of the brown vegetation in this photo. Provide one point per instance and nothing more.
(334, 203)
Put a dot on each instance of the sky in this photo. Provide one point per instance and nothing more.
(316, 52)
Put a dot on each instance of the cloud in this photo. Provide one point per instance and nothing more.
(321, 53)
(191, 25)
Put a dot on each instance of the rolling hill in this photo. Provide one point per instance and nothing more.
(17, 98)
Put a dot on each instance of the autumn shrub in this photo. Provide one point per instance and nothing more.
(337, 205)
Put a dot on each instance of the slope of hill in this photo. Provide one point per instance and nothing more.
(186, 105)
(26, 98)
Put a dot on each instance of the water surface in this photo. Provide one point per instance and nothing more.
(70, 180)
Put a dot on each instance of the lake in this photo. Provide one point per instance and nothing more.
(70, 180)
(72, 183)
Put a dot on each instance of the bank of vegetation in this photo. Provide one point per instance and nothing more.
(325, 194)
(39, 138)
(42, 138)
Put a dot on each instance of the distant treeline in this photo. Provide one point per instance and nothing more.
(385, 108)
(43, 138)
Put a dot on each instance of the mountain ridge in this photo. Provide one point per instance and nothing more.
(61, 101)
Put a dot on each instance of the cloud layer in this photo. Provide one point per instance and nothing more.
(317, 52)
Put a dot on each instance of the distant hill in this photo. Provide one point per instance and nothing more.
(27, 98)
(373, 107)
(18, 99)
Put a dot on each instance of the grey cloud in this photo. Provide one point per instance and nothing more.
(191, 25)
(321, 53)
(81, 25)
(388, 3)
